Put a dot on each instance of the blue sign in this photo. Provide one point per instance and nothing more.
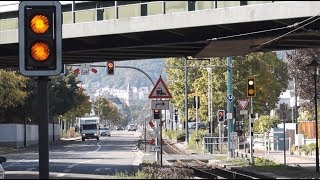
(230, 97)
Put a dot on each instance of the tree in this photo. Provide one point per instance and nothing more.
(107, 111)
(12, 92)
(264, 123)
(304, 80)
(297, 61)
(270, 72)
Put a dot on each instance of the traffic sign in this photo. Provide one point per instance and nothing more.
(85, 69)
(160, 104)
(155, 148)
(243, 103)
(230, 97)
(243, 112)
(160, 90)
(229, 115)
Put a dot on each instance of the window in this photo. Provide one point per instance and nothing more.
(89, 127)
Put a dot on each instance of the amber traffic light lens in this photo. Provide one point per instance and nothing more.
(40, 51)
(39, 24)
(110, 65)
(251, 91)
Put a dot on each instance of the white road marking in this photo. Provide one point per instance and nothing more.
(97, 170)
(30, 169)
(60, 175)
(66, 170)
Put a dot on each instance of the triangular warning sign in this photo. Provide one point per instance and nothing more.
(243, 103)
(160, 90)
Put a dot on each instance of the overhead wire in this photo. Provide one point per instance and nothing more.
(269, 30)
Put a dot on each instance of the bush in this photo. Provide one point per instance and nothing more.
(168, 173)
(181, 136)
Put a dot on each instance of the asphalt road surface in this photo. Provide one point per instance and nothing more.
(80, 159)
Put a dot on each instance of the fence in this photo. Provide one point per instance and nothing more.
(214, 145)
(19, 135)
(308, 129)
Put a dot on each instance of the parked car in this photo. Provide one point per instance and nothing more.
(132, 127)
(119, 127)
(2, 172)
(192, 125)
(104, 131)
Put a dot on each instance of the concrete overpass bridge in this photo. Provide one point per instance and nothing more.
(97, 31)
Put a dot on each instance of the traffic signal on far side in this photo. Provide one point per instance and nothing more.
(251, 89)
(176, 115)
(40, 38)
(221, 115)
(110, 67)
(156, 114)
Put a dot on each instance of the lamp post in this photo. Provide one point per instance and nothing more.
(315, 65)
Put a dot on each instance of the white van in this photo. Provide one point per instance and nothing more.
(89, 128)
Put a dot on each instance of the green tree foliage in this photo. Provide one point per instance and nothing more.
(264, 123)
(107, 111)
(271, 79)
(12, 91)
(270, 72)
(64, 94)
(81, 109)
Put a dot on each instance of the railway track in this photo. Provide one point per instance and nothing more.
(201, 169)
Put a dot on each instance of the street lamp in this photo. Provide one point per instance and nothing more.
(314, 64)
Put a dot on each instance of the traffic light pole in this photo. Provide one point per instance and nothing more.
(43, 119)
(186, 100)
(230, 105)
(251, 132)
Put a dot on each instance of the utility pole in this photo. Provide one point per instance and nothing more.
(186, 99)
(230, 105)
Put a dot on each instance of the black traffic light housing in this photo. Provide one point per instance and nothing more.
(221, 115)
(176, 115)
(40, 38)
(156, 114)
(251, 88)
(110, 67)
(196, 102)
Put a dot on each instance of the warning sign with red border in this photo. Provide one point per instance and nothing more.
(160, 90)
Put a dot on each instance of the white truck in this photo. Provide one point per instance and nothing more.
(89, 128)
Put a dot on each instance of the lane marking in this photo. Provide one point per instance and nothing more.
(61, 175)
(30, 169)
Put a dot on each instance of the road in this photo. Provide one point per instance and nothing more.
(88, 159)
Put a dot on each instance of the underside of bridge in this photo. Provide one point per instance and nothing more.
(244, 38)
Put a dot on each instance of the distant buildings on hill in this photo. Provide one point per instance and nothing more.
(124, 95)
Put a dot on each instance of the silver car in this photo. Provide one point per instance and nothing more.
(104, 131)
(2, 173)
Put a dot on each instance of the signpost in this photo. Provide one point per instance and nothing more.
(284, 112)
(159, 90)
(160, 104)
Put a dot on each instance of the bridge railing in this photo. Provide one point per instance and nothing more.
(133, 10)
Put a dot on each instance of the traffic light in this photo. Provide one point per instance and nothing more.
(176, 115)
(251, 89)
(221, 115)
(40, 36)
(156, 114)
(110, 67)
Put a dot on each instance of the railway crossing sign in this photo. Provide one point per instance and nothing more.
(160, 90)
